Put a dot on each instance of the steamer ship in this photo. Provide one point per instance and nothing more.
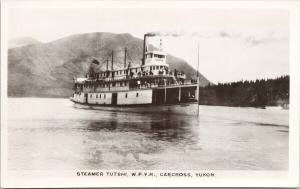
(148, 88)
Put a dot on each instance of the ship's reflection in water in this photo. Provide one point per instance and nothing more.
(138, 141)
(49, 134)
(157, 127)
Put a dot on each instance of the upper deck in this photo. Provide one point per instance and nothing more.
(155, 67)
(152, 73)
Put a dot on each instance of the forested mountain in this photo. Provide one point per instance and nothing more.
(259, 93)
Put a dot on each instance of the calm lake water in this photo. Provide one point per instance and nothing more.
(49, 134)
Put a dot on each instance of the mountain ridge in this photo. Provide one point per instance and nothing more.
(48, 69)
(23, 41)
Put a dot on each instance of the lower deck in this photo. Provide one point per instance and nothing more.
(152, 96)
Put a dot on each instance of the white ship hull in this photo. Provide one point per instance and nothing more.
(181, 108)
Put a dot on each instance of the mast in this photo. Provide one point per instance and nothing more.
(112, 60)
(107, 65)
(198, 82)
(125, 57)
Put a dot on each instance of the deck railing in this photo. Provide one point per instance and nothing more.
(126, 77)
(149, 85)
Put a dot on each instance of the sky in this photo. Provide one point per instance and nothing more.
(234, 44)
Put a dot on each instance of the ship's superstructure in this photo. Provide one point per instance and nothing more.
(152, 83)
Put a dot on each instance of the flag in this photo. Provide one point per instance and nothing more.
(95, 61)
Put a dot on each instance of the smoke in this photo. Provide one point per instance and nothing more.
(176, 34)
(160, 33)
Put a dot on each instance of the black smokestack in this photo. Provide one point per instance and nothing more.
(144, 50)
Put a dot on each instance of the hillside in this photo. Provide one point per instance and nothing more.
(24, 41)
(48, 69)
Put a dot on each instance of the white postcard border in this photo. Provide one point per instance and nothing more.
(288, 178)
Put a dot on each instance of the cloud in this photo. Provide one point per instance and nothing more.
(180, 33)
(254, 39)
(224, 34)
(270, 38)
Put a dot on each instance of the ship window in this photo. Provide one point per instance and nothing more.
(137, 94)
(159, 56)
(91, 95)
(126, 95)
(157, 67)
(96, 96)
(113, 84)
(121, 84)
(100, 95)
(161, 67)
(135, 70)
(104, 95)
